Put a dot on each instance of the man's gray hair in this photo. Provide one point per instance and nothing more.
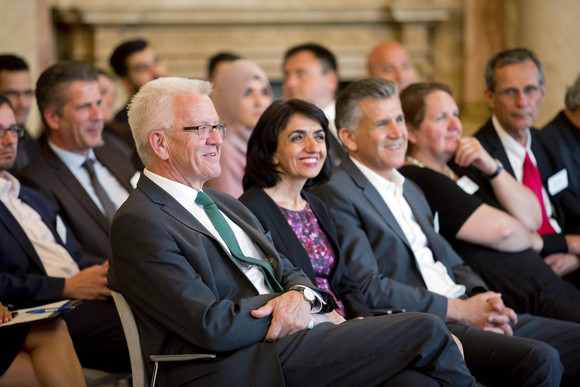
(152, 108)
(573, 96)
(509, 57)
(348, 111)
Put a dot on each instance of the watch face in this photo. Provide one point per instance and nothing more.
(309, 294)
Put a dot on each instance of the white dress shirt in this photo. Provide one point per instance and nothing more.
(330, 113)
(516, 153)
(56, 260)
(434, 273)
(74, 162)
(186, 197)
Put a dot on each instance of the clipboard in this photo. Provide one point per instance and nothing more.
(21, 316)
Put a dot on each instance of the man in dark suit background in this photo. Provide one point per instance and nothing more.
(69, 100)
(311, 74)
(391, 248)
(15, 84)
(515, 88)
(39, 263)
(136, 62)
(562, 135)
(171, 260)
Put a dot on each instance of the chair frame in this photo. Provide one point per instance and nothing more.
(135, 354)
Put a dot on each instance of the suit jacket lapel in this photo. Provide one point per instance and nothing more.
(174, 209)
(52, 227)
(256, 236)
(543, 162)
(169, 205)
(116, 163)
(70, 182)
(421, 217)
(374, 198)
(13, 227)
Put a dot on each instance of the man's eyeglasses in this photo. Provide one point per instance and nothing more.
(512, 93)
(16, 130)
(205, 131)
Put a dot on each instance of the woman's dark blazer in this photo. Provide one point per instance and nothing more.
(286, 242)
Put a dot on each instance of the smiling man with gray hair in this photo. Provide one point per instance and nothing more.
(392, 248)
(202, 275)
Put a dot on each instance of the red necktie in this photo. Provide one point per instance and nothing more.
(531, 178)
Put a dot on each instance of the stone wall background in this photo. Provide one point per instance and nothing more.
(449, 40)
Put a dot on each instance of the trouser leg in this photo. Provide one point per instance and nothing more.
(496, 359)
(98, 336)
(564, 336)
(371, 351)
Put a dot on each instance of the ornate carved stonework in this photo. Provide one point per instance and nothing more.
(186, 34)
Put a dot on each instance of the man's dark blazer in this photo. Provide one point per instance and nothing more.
(377, 253)
(336, 150)
(380, 258)
(566, 207)
(286, 242)
(187, 294)
(49, 175)
(27, 148)
(562, 140)
(94, 326)
(23, 279)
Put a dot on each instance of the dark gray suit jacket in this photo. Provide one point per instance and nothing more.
(562, 139)
(188, 295)
(49, 175)
(377, 253)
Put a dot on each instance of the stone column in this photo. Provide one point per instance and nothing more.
(25, 31)
(552, 30)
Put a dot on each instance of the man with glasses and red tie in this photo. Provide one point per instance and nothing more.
(515, 89)
(85, 179)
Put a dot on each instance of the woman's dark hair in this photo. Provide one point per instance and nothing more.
(260, 169)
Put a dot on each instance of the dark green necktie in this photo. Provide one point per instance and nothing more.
(225, 231)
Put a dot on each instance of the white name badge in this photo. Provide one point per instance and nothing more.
(436, 222)
(557, 182)
(468, 185)
(61, 229)
(135, 179)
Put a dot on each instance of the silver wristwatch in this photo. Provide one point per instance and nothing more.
(307, 293)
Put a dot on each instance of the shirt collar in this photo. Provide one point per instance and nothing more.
(508, 142)
(394, 184)
(330, 113)
(182, 193)
(9, 185)
(72, 160)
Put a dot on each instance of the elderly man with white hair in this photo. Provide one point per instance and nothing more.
(202, 276)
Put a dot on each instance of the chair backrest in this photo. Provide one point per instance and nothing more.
(132, 336)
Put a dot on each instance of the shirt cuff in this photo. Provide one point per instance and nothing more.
(318, 302)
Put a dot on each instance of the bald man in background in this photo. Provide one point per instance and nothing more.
(390, 60)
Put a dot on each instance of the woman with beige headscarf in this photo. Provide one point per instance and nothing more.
(242, 93)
